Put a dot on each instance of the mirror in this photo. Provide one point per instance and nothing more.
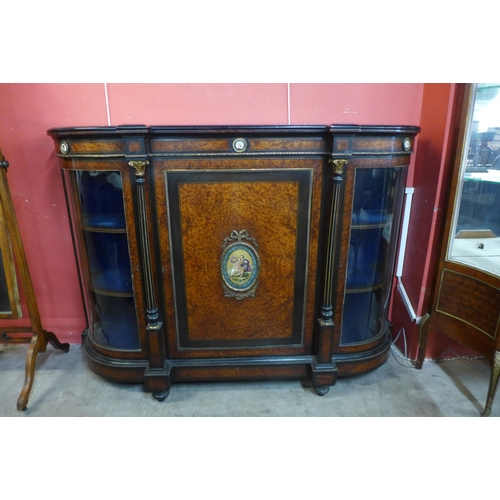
(10, 306)
(476, 219)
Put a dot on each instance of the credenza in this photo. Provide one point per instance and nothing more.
(235, 252)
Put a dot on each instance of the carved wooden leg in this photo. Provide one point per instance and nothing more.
(38, 344)
(423, 337)
(495, 374)
(55, 342)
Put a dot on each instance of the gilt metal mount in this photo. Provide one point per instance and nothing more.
(338, 166)
(140, 166)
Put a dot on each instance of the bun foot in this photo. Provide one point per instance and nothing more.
(160, 396)
(321, 391)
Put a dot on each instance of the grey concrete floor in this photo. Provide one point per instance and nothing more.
(65, 387)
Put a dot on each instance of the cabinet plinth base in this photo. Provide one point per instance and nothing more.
(363, 362)
(322, 376)
(158, 381)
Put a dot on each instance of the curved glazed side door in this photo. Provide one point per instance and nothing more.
(375, 210)
(101, 194)
(373, 180)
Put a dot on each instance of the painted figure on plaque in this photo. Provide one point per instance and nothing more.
(239, 268)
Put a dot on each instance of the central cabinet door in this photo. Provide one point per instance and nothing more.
(238, 251)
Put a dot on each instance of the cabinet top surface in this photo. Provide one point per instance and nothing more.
(231, 129)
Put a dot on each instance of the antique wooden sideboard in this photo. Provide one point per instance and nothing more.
(235, 252)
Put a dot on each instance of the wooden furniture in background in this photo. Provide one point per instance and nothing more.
(11, 239)
(466, 291)
(235, 253)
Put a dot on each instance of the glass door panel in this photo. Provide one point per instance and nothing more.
(105, 248)
(476, 223)
(377, 193)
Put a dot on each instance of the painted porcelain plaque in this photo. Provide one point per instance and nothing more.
(240, 266)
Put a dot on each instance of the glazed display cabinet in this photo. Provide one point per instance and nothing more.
(235, 253)
(466, 292)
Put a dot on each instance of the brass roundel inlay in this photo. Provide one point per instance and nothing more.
(64, 147)
(240, 145)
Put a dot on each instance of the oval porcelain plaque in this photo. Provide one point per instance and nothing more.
(240, 267)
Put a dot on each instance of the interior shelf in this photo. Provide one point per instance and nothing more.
(104, 222)
(113, 282)
(117, 334)
(358, 286)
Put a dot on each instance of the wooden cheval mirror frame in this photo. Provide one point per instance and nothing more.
(13, 256)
